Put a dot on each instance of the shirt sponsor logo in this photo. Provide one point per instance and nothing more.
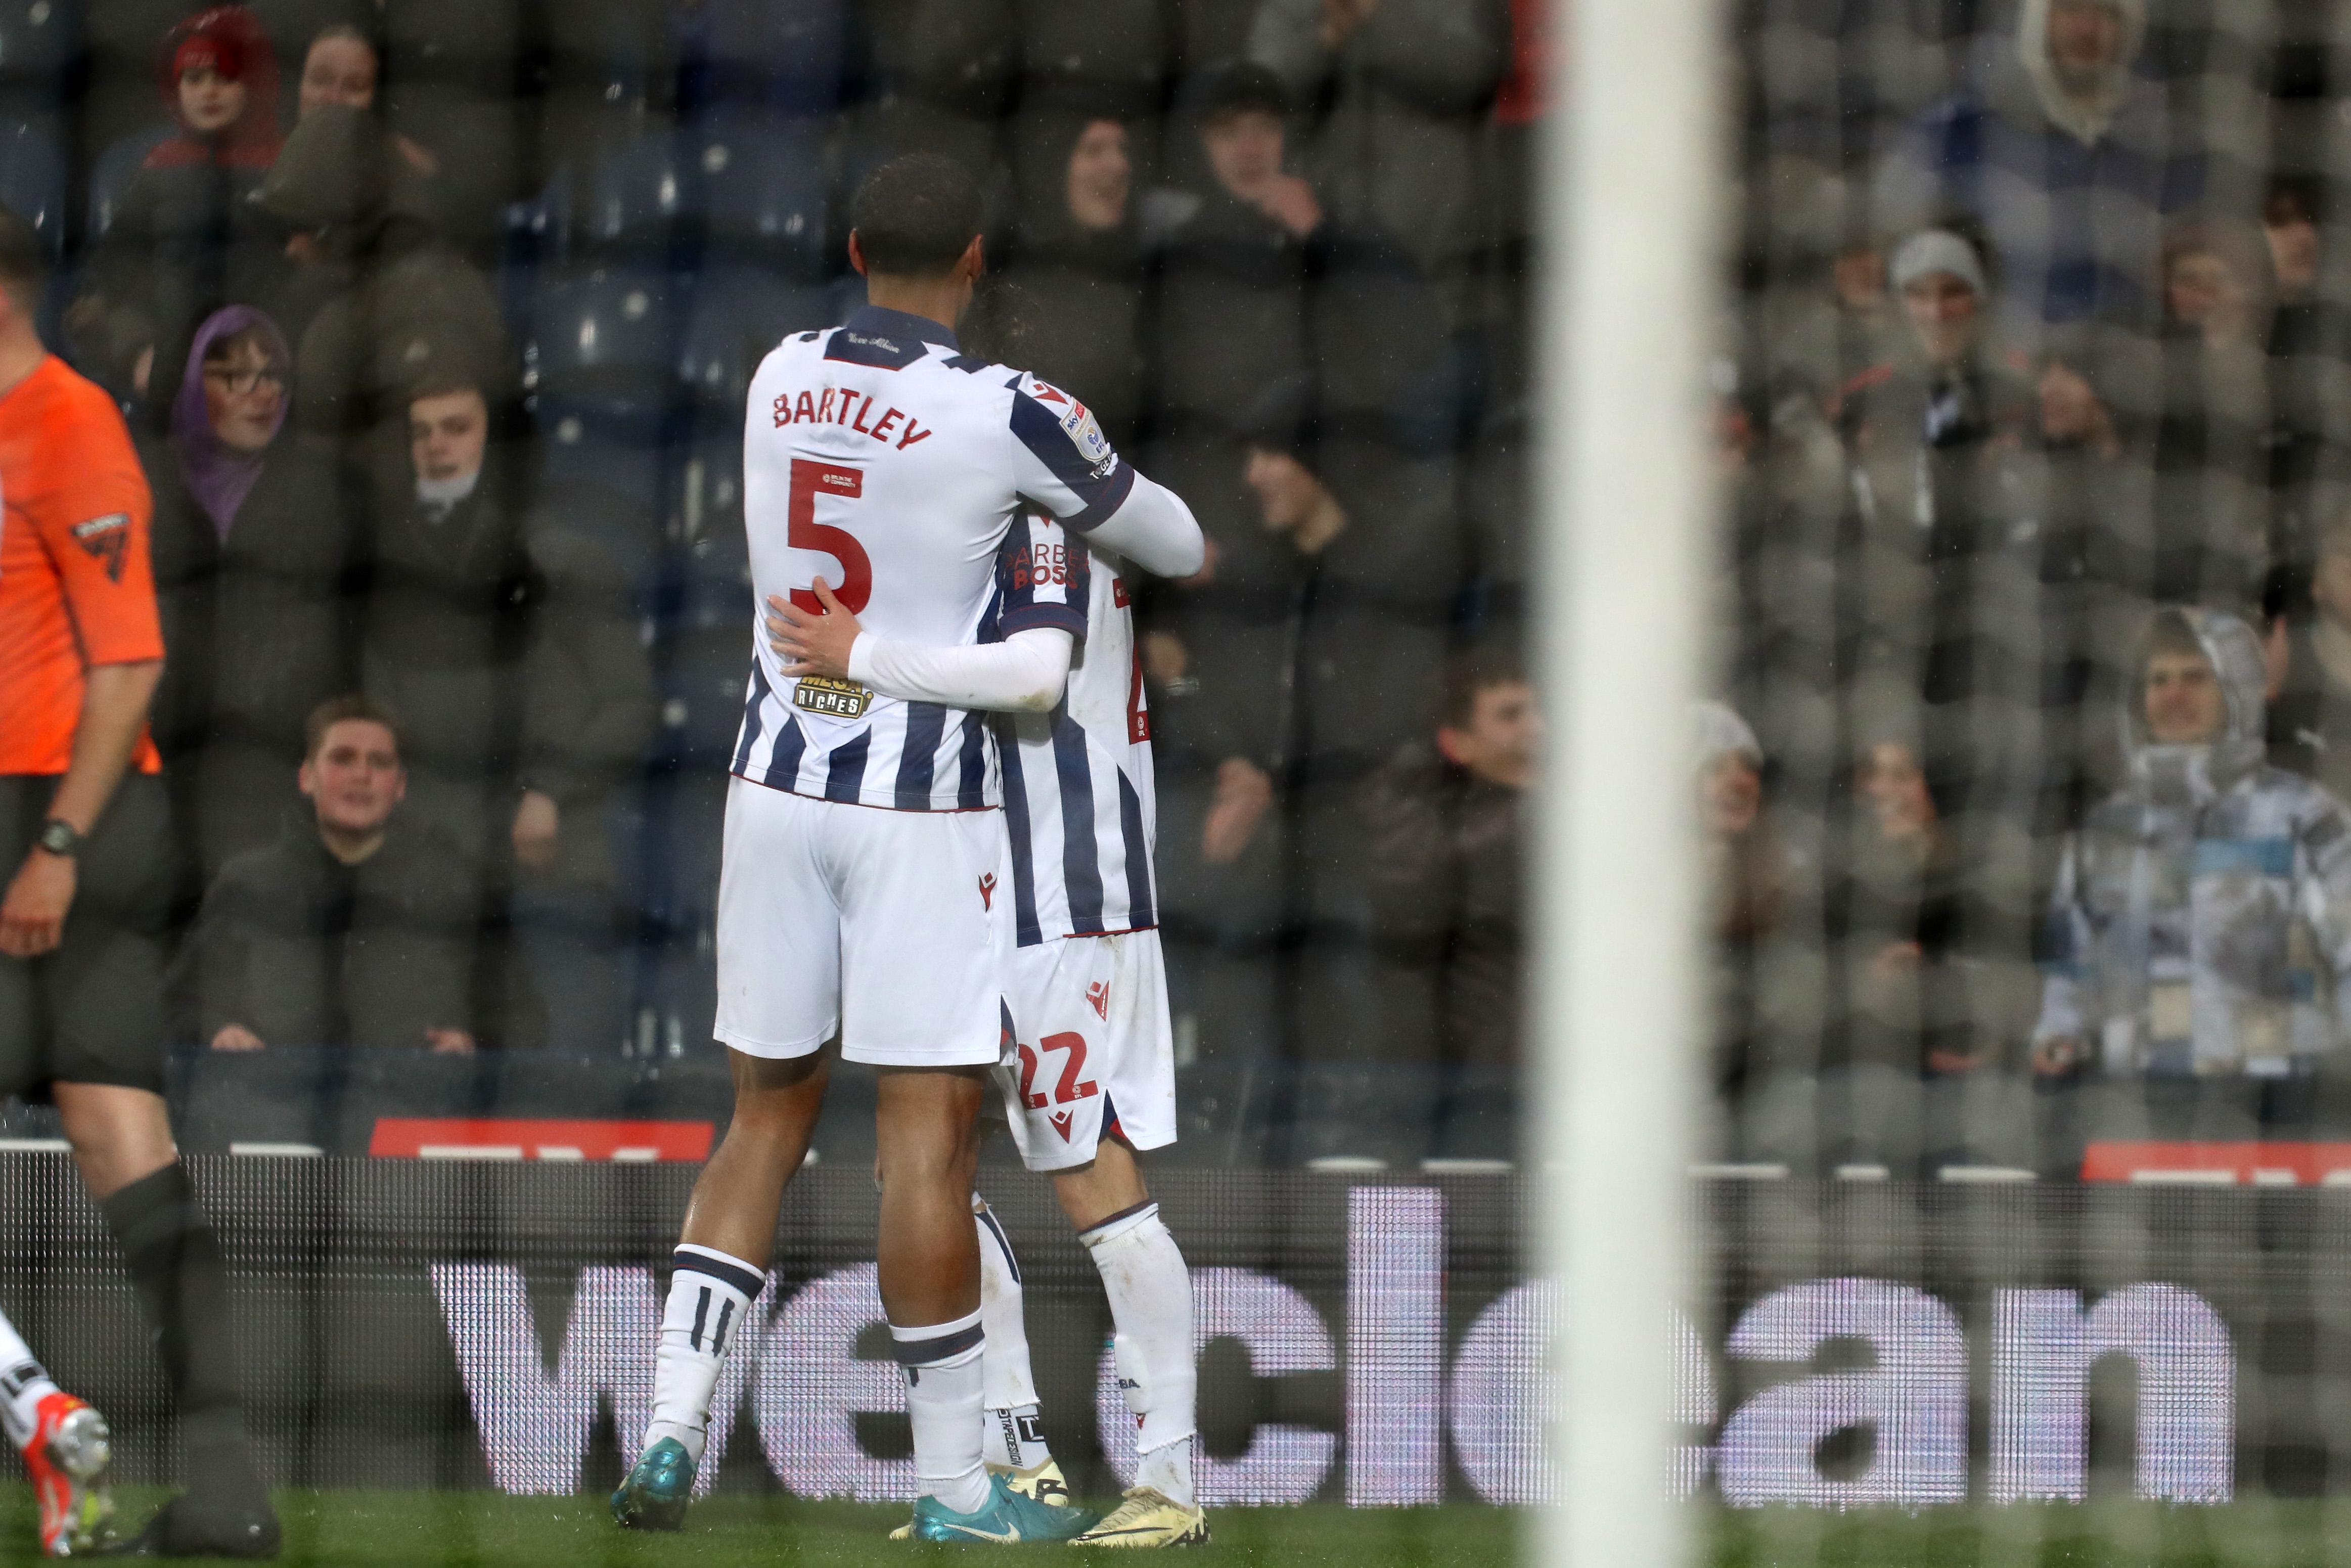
(105, 538)
(1041, 565)
(831, 698)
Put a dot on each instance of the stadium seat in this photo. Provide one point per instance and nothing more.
(764, 193)
(40, 42)
(960, 56)
(705, 500)
(476, 44)
(738, 316)
(110, 176)
(644, 200)
(33, 182)
(742, 187)
(603, 343)
(589, 446)
(785, 55)
(1110, 56)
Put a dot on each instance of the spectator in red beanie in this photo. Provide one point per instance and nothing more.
(187, 240)
(219, 79)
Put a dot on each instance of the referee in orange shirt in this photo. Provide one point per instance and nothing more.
(85, 843)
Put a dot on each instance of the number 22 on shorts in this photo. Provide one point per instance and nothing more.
(1068, 1088)
(811, 479)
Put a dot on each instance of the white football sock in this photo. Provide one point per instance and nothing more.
(1150, 1295)
(710, 1297)
(22, 1386)
(1015, 1439)
(945, 1382)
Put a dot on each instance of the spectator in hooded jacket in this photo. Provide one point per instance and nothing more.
(353, 928)
(1078, 255)
(385, 303)
(256, 550)
(188, 239)
(2069, 160)
(1260, 279)
(1407, 84)
(448, 616)
(1448, 832)
(2200, 926)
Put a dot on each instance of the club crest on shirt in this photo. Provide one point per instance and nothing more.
(105, 538)
(831, 698)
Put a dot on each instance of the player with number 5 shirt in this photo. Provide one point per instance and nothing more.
(862, 885)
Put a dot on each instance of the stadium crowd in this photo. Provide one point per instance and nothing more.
(2032, 381)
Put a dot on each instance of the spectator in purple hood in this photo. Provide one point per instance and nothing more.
(255, 552)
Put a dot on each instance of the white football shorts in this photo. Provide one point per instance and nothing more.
(893, 928)
(1093, 1051)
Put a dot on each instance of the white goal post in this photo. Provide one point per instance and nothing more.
(1630, 180)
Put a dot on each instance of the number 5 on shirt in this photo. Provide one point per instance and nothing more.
(810, 480)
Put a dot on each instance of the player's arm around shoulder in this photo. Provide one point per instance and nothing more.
(1065, 465)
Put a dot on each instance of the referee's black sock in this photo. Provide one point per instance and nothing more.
(182, 1287)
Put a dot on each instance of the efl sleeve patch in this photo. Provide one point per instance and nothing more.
(106, 539)
(1078, 423)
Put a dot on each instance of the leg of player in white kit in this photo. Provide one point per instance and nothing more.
(1013, 1437)
(65, 1447)
(1150, 1290)
(718, 1270)
(1016, 1438)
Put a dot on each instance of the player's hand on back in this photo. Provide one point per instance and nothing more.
(235, 1037)
(33, 914)
(813, 644)
(449, 1041)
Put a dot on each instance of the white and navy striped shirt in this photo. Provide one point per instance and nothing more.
(880, 457)
(1079, 804)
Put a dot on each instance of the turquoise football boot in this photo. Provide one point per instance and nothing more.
(1009, 1517)
(660, 1485)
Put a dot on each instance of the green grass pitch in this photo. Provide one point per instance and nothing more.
(488, 1530)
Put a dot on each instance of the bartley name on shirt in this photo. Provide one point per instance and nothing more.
(850, 409)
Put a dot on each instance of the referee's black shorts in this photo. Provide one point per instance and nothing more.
(90, 1010)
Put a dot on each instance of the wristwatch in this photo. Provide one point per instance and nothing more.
(59, 837)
